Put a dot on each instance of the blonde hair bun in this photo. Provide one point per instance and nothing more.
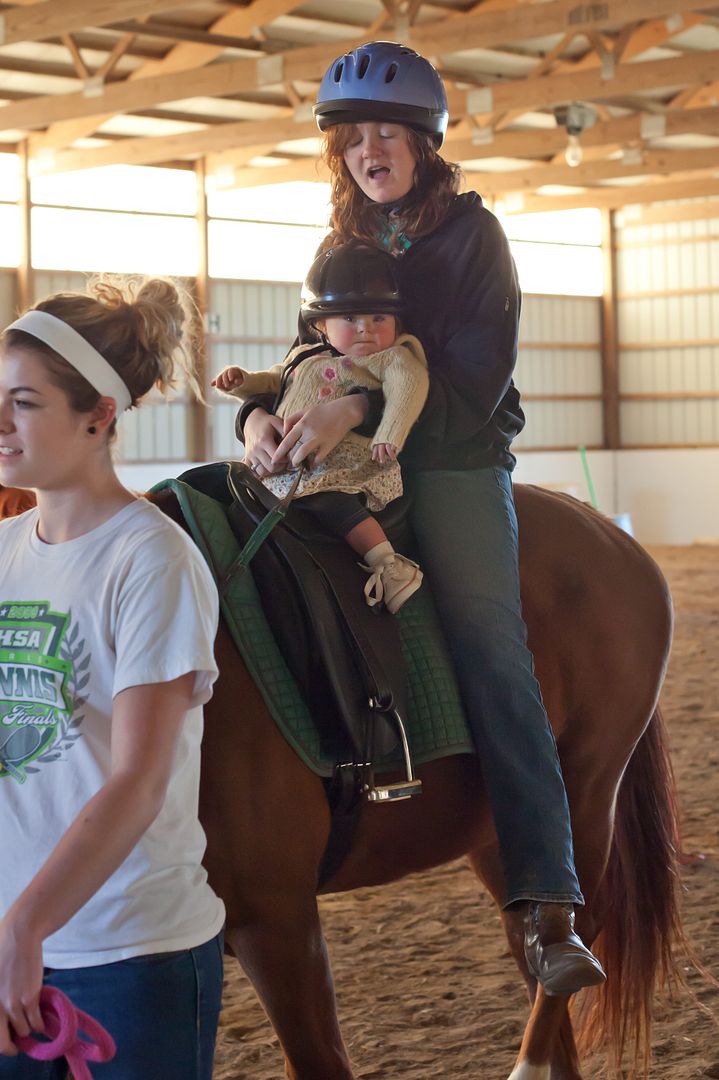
(163, 315)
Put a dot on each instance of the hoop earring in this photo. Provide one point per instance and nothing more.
(92, 430)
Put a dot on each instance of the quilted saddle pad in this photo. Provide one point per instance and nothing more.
(436, 726)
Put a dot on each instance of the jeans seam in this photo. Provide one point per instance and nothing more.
(198, 1010)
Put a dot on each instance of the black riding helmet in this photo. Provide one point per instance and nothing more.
(352, 279)
(383, 81)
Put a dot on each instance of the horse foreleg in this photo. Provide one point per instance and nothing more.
(547, 1051)
(282, 950)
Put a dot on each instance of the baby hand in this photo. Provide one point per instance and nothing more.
(384, 452)
(229, 378)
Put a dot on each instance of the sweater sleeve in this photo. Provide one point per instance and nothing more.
(473, 369)
(402, 370)
(257, 382)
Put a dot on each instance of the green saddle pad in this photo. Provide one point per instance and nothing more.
(436, 726)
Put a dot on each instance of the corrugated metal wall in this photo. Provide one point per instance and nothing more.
(668, 287)
(559, 358)
(668, 319)
(559, 372)
(251, 325)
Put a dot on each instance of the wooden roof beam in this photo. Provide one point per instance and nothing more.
(501, 26)
(51, 18)
(173, 32)
(521, 183)
(588, 85)
(262, 176)
(182, 57)
(616, 198)
(303, 63)
(633, 40)
(79, 64)
(113, 58)
(649, 163)
(244, 134)
(236, 76)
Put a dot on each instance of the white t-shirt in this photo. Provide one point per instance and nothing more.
(129, 603)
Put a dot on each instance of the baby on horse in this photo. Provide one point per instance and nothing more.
(352, 301)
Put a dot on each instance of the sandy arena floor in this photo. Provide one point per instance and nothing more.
(424, 981)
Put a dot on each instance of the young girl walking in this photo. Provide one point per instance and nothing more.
(107, 623)
(357, 352)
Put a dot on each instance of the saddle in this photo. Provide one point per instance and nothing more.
(346, 658)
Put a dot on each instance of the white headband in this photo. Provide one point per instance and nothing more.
(73, 347)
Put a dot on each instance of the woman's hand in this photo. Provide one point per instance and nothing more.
(319, 429)
(20, 985)
(263, 432)
(384, 452)
(229, 378)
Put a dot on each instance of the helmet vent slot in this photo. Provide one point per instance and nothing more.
(363, 65)
(390, 73)
(338, 71)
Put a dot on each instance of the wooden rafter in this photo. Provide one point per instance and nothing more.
(487, 116)
(50, 18)
(253, 134)
(303, 63)
(618, 197)
(498, 27)
(71, 46)
(245, 75)
(182, 57)
(633, 40)
(114, 57)
(652, 162)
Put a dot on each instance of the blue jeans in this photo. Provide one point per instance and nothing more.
(466, 530)
(162, 1011)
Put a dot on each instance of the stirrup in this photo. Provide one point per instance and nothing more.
(400, 789)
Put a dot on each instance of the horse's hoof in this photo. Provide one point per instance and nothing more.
(524, 1070)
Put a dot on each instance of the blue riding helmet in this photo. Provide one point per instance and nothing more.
(383, 81)
(352, 279)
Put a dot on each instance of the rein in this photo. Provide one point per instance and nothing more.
(72, 1034)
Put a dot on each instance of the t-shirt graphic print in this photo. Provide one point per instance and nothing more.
(43, 670)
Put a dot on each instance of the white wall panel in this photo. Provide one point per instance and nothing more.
(564, 321)
(254, 309)
(246, 309)
(224, 444)
(559, 371)
(47, 282)
(669, 345)
(154, 433)
(560, 318)
(561, 424)
(669, 423)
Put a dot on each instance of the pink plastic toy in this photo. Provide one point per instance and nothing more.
(64, 1026)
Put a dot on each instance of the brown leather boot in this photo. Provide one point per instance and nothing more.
(556, 956)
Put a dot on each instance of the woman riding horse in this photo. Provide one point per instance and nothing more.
(383, 110)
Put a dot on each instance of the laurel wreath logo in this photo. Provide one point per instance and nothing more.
(79, 657)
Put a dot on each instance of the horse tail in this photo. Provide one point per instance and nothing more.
(638, 903)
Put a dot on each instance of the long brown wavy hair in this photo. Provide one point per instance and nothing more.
(354, 216)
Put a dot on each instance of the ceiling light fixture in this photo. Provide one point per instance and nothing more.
(576, 118)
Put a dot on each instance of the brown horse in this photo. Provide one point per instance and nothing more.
(599, 619)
